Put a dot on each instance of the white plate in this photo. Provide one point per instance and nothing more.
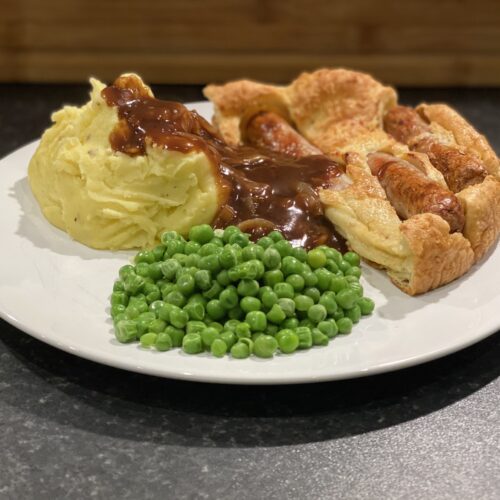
(57, 290)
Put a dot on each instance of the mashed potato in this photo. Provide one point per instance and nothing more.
(107, 199)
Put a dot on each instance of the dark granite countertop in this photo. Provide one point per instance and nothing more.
(70, 428)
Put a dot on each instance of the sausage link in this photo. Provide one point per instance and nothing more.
(267, 130)
(459, 168)
(410, 192)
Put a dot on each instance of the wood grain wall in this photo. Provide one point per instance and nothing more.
(425, 42)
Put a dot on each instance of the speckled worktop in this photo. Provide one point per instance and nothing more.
(70, 428)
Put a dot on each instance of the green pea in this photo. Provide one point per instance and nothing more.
(133, 284)
(117, 309)
(256, 320)
(198, 298)
(291, 323)
(131, 312)
(332, 266)
(118, 286)
(276, 314)
(203, 279)
(228, 337)
(169, 235)
(186, 284)
(240, 350)
(181, 258)
(243, 330)
(275, 236)
(240, 239)
(142, 305)
(305, 337)
(195, 326)
(324, 278)
(354, 313)
(157, 326)
(339, 313)
(214, 291)
(328, 301)
(337, 283)
(209, 249)
(290, 265)
(126, 330)
(191, 247)
(252, 252)
(269, 298)
(147, 316)
(125, 271)
(201, 234)
(307, 322)
(223, 278)
(215, 310)
(303, 302)
(176, 334)
(273, 277)
(174, 247)
(167, 288)
(229, 231)
(350, 278)
(178, 318)
(357, 288)
(208, 335)
(214, 324)
(346, 298)
(265, 346)
(193, 260)
(248, 287)
(175, 298)
(265, 242)
(317, 313)
(119, 298)
(248, 304)
(316, 258)
(229, 297)
(328, 327)
(218, 348)
(288, 341)
(366, 305)
(333, 254)
(148, 339)
(284, 290)
(155, 271)
(145, 256)
(344, 325)
(353, 271)
(297, 281)
(271, 258)
(192, 344)
(300, 254)
(352, 258)
(288, 306)
(310, 279)
(210, 263)
(284, 248)
(313, 292)
(319, 338)
(163, 342)
(195, 310)
(231, 324)
(169, 268)
(344, 266)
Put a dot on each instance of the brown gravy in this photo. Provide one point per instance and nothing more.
(260, 190)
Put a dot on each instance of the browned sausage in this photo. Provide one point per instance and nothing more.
(410, 192)
(459, 168)
(267, 130)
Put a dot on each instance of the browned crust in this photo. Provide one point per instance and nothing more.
(437, 257)
(464, 133)
(481, 203)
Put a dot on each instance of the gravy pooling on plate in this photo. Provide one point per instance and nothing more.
(259, 190)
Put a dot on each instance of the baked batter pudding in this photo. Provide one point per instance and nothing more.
(420, 190)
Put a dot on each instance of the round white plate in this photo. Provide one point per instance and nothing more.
(57, 290)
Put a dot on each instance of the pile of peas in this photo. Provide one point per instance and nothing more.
(219, 292)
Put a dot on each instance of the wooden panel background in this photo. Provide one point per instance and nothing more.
(425, 42)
